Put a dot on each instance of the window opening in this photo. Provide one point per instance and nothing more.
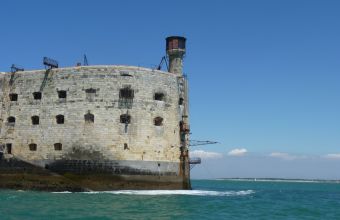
(159, 96)
(9, 148)
(90, 90)
(125, 119)
(60, 119)
(58, 146)
(180, 101)
(35, 120)
(158, 121)
(126, 96)
(89, 118)
(13, 97)
(32, 147)
(126, 147)
(11, 120)
(37, 95)
(90, 94)
(62, 94)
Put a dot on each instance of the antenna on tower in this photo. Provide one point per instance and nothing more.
(86, 63)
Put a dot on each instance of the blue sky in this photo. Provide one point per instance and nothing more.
(264, 75)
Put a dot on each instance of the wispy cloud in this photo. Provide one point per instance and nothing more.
(205, 154)
(332, 156)
(286, 156)
(237, 152)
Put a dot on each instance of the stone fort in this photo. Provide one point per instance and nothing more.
(125, 121)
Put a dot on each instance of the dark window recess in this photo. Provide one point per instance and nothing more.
(13, 97)
(159, 96)
(11, 120)
(90, 94)
(125, 119)
(62, 94)
(180, 101)
(58, 146)
(89, 118)
(35, 120)
(32, 147)
(158, 121)
(60, 119)
(126, 96)
(37, 95)
(90, 90)
(9, 148)
(126, 147)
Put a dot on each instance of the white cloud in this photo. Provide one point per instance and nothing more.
(205, 154)
(286, 156)
(238, 152)
(332, 156)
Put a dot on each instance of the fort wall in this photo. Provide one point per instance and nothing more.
(92, 111)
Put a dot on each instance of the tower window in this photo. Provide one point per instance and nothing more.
(125, 119)
(9, 148)
(37, 95)
(158, 121)
(90, 90)
(35, 120)
(126, 93)
(90, 94)
(180, 101)
(11, 120)
(62, 94)
(126, 97)
(32, 147)
(159, 96)
(89, 118)
(58, 146)
(13, 97)
(126, 147)
(60, 119)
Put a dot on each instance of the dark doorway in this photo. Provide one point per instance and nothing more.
(9, 148)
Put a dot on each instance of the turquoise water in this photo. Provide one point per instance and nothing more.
(210, 199)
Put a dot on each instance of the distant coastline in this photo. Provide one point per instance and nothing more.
(280, 180)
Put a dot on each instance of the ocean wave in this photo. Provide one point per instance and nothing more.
(177, 192)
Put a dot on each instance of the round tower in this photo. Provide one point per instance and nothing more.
(175, 49)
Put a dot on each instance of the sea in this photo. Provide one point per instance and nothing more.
(209, 199)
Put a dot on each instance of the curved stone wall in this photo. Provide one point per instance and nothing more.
(93, 127)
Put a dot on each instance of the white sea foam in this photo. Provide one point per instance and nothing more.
(177, 192)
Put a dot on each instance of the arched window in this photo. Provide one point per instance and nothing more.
(11, 120)
(89, 118)
(32, 147)
(158, 121)
(37, 95)
(58, 146)
(62, 94)
(60, 119)
(35, 120)
(13, 97)
(125, 119)
(159, 96)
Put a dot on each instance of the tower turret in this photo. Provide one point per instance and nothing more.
(175, 49)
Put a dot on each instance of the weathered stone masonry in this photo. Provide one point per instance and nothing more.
(91, 91)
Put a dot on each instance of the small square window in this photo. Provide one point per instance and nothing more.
(37, 95)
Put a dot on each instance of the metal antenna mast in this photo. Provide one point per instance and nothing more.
(86, 63)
